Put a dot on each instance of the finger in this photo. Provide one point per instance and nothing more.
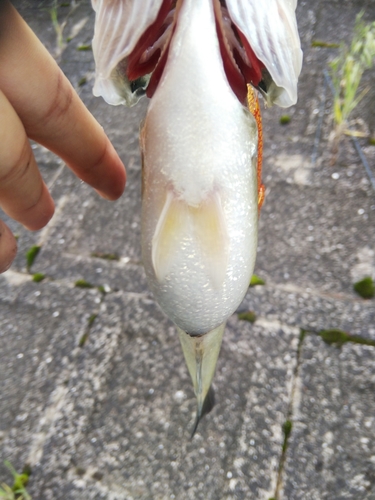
(23, 194)
(8, 247)
(51, 111)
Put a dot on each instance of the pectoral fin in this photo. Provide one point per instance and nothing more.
(212, 237)
(205, 223)
(173, 220)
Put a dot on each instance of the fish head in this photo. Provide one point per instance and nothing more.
(259, 44)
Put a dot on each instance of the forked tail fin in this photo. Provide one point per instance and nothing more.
(201, 354)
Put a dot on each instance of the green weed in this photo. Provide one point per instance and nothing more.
(339, 338)
(325, 45)
(106, 256)
(84, 47)
(346, 71)
(83, 284)
(18, 490)
(82, 81)
(365, 288)
(58, 27)
(248, 316)
(287, 429)
(38, 277)
(256, 280)
(285, 119)
(31, 255)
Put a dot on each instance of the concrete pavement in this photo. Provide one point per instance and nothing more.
(95, 395)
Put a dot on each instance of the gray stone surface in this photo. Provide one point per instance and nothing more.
(331, 451)
(94, 392)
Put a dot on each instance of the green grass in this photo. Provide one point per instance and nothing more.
(106, 256)
(58, 27)
(325, 45)
(84, 47)
(18, 490)
(92, 319)
(285, 119)
(339, 337)
(83, 339)
(31, 255)
(38, 277)
(256, 280)
(82, 81)
(83, 284)
(287, 429)
(346, 71)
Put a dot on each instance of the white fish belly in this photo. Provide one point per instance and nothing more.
(189, 294)
(200, 199)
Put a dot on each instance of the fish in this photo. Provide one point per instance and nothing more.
(202, 64)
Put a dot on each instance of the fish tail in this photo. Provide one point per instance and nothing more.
(206, 407)
(201, 354)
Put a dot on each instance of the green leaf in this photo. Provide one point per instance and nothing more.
(31, 255)
(255, 280)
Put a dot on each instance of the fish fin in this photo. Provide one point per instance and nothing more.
(201, 354)
(118, 27)
(271, 31)
(167, 237)
(208, 404)
(210, 230)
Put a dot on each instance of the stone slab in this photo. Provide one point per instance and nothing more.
(40, 326)
(311, 309)
(331, 452)
(112, 419)
(133, 430)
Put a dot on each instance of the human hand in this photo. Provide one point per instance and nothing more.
(37, 102)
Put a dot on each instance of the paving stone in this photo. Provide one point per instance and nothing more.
(311, 309)
(112, 418)
(129, 417)
(315, 241)
(39, 330)
(331, 452)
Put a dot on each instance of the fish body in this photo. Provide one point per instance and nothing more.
(200, 195)
(201, 186)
